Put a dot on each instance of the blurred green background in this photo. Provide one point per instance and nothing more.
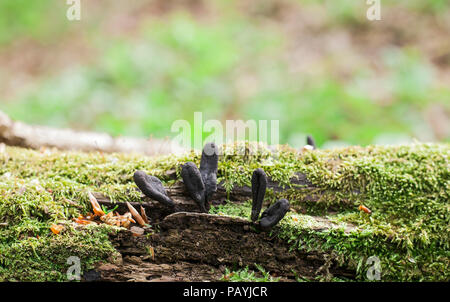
(319, 66)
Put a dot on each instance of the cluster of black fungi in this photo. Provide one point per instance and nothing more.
(202, 183)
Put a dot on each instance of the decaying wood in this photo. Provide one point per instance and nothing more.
(19, 134)
(139, 269)
(187, 238)
(212, 242)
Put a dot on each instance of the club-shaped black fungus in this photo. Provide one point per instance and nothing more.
(310, 141)
(208, 169)
(271, 216)
(152, 187)
(259, 185)
(194, 184)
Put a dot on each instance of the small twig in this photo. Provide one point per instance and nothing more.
(15, 133)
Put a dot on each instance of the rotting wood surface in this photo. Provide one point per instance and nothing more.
(192, 246)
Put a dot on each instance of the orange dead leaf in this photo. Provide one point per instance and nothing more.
(135, 214)
(82, 221)
(97, 209)
(144, 215)
(56, 229)
(152, 253)
(364, 209)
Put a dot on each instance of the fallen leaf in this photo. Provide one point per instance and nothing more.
(364, 209)
(56, 229)
(97, 209)
(135, 214)
(144, 215)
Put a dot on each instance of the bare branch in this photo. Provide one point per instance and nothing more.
(19, 134)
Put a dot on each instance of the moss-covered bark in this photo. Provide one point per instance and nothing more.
(406, 187)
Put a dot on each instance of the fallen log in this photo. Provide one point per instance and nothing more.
(188, 237)
(405, 188)
(14, 133)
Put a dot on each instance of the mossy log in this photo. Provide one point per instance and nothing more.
(324, 237)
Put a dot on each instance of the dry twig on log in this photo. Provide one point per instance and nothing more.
(19, 134)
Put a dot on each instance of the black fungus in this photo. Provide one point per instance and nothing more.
(208, 169)
(271, 216)
(194, 184)
(310, 141)
(259, 185)
(152, 187)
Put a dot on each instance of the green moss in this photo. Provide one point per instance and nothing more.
(406, 187)
(44, 258)
(246, 275)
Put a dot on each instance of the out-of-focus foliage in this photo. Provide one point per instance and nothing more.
(229, 60)
(35, 19)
